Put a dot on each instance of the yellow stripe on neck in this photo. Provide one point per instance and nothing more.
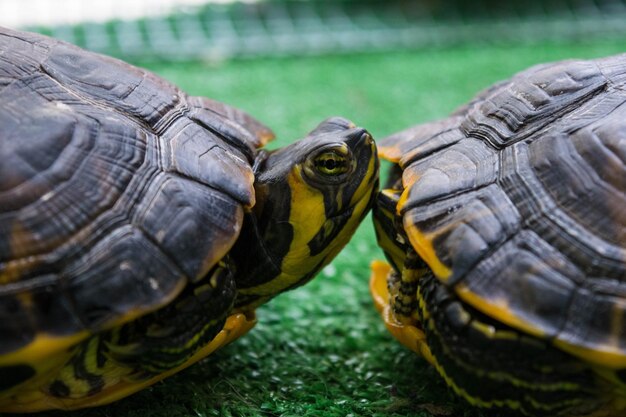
(307, 217)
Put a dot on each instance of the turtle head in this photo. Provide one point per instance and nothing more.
(311, 196)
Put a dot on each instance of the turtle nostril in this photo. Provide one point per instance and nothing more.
(360, 135)
(367, 138)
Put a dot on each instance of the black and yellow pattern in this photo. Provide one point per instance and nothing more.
(115, 363)
(304, 215)
(515, 206)
(140, 227)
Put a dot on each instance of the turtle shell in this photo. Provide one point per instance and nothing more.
(116, 188)
(517, 201)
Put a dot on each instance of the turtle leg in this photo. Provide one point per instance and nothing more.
(410, 334)
(394, 287)
(126, 359)
(403, 288)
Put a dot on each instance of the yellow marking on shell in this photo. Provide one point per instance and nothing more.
(45, 346)
(423, 245)
(422, 242)
(249, 177)
(29, 391)
(390, 153)
(37, 400)
(407, 334)
(48, 354)
(497, 309)
(610, 355)
(409, 177)
(41, 348)
(402, 201)
(604, 355)
(13, 270)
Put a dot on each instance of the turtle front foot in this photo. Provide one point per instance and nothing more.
(410, 335)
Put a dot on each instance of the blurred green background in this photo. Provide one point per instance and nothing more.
(322, 350)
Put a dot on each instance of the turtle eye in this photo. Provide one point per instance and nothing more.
(331, 163)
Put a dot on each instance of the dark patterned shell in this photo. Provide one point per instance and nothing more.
(115, 188)
(518, 200)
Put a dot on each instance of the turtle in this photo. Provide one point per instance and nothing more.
(140, 227)
(504, 228)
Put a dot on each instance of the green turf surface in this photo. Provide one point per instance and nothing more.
(322, 349)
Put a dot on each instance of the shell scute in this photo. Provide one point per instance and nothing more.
(112, 83)
(35, 306)
(596, 318)
(125, 273)
(202, 106)
(530, 262)
(31, 142)
(96, 161)
(199, 154)
(418, 141)
(467, 165)
(21, 55)
(102, 160)
(532, 100)
(175, 215)
(466, 228)
(552, 191)
(524, 214)
(525, 280)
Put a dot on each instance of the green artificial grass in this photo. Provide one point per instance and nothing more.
(322, 350)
